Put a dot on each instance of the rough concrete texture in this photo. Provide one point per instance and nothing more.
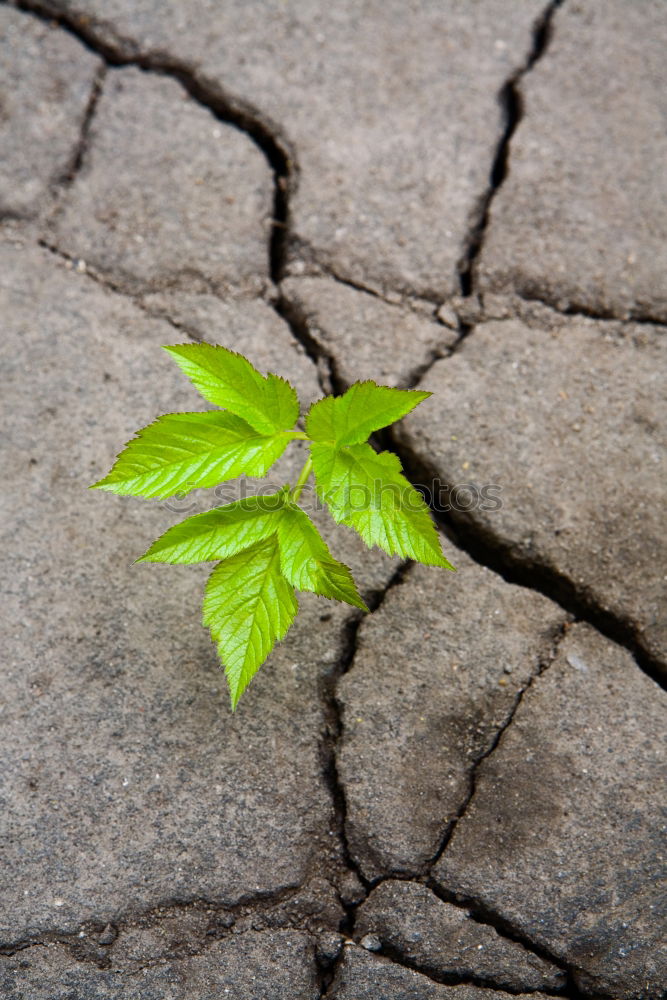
(267, 966)
(563, 838)
(126, 782)
(365, 337)
(445, 942)
(46, 82)
(570, 422)
(167, 196)
(581, 221)
(362, 976)
(389, 115)
(412, 193)
(411, 735)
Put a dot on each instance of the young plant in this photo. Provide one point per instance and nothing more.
(266, 547)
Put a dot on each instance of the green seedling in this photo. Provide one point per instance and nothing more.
(266, 547)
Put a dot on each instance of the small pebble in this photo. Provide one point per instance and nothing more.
(371, 942)
(108, 935)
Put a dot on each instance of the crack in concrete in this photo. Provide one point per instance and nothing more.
(393, 957)
(574, 311)
(332, 381)
(483, 914)
(451, 979)
(313, 268)
(510, 100)
(334, 726)
(86, 270)
(487, 551)
(479, 542)
(227, 108)
(541, 668)
(223, 921)
(79, 154)
(480, 913)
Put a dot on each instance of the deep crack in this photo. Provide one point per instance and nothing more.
(333, 731)
(394, 956)
(226, 108)
(510, 100)
(483, 914)
(479, 542)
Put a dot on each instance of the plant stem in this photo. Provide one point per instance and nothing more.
(304, 476)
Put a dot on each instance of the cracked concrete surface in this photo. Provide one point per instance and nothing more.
(456, 797)
(448, 943)
(525, 408)
(46, 80)
(581, 222)
(160, 182)
(411, 737)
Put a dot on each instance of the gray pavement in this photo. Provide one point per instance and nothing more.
(458, 796)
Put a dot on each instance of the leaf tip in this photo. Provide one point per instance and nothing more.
(103, 484)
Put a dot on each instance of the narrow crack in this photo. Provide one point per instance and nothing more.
(580, 311)
(226, 108)
(85, 270)
(79, 154)
(394, 956)
(332, 381)
(511, 102)
(279, 909)
(423, 306)
(484, 915)
(298, 325)
(542, 667)
(474, 910)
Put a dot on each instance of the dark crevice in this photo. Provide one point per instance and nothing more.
(424, 873)
(474, 910)
(505, 559)
(465, 329)
(330, 742)
(578, 309)
(333, 729)
(299, 323)
(511, 103)
(421, 305)
(78, 156)
(453, 979)
(226, 108)
(416, 374)
(487, 917)
(542, 666)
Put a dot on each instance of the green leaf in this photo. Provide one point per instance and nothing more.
(307, 562)
(185, 451)
(248, 606)
(367, 491)
(267, 403)
(219, 533)
(364, 408)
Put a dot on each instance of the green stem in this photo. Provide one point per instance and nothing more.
(297, 435)
(304, 476)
